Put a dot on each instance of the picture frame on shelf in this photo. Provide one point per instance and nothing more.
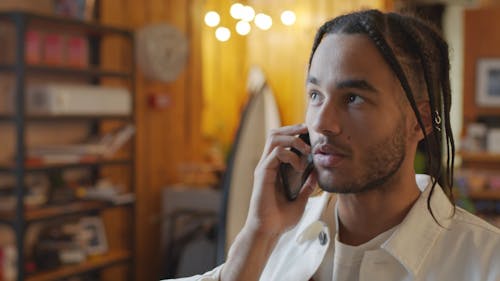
(94, 233)
(493, 140)
(488, 82)
(77, 9)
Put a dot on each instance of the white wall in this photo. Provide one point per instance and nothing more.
(454, 34)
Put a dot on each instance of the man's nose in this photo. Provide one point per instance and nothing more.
(326, 120)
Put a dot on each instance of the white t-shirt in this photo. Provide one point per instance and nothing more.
(347, 259)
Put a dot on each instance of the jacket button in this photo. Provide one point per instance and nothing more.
(323, 238)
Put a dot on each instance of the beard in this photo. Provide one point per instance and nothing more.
(380, 162)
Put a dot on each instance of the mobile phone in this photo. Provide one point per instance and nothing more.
(292, 180)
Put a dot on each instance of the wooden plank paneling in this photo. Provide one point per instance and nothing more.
(224, 77)
(194, 97)
(165, 138)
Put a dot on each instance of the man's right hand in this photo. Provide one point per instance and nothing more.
(270, 213)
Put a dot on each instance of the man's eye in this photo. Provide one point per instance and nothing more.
(314, 96)
(354, 99)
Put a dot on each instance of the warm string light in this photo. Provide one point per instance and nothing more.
(212, 19)
(222, 33)
(263, 21)
(244, 15)
(236, 11)
(243, 27)
(248, 14)
(288, 17)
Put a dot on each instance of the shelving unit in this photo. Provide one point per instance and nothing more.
(21, 217)
(477, 47)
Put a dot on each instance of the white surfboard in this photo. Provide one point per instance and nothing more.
(260, 115)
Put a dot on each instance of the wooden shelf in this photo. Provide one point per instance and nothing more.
(67, 71)
(72, 208)
(480, 157)
(484, 195)
(37, 167)
(58, 210)
(92, 263)
(73, 118)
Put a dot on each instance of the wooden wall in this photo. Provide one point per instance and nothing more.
(213, 83)
(477, 24)
(165, 138)
(282, 52)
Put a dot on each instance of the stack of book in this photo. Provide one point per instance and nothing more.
(102, 148)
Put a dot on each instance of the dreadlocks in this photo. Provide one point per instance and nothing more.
(418, 56)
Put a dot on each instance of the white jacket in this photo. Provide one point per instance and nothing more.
(464, 247)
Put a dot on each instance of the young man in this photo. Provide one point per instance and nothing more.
(378, 85)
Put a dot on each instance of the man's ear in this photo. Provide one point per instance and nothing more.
(426, 116)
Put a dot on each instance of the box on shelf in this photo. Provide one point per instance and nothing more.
(33, 49)
(475, 138)
(73, 99)
(493, 140)
(49, 48)
(77, 51)
(53, 49)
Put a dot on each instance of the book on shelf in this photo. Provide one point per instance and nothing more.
(106, 190)
(103, 147)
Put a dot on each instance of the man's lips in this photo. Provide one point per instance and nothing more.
(328, 156)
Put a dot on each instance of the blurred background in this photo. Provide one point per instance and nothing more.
(130, 129)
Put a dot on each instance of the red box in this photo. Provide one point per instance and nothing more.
(33, 51)
(77, 50)
(53, 49)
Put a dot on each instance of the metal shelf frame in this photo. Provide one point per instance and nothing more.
(94, 31)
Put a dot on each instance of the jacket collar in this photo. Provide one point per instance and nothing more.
(417, 233)
(309, 225)
(413, 239)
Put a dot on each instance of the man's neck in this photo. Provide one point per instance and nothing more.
(365, 215)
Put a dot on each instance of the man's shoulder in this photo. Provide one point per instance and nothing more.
(468, 246)
(474, 234)
(467, 222)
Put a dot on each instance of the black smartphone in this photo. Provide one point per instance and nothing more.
(292, 180)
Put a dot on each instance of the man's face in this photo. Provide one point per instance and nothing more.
(355, 115)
